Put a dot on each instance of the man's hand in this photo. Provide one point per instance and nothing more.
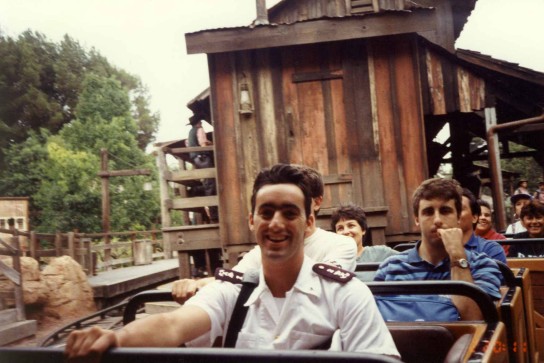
(184, 289)
(88, 345)
(453, 242)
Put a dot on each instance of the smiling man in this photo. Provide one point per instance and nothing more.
(297, 304)
(439, 255)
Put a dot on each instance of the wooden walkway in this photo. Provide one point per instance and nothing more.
(113, 286)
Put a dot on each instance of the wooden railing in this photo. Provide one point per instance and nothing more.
(13, 273)
(90, 251)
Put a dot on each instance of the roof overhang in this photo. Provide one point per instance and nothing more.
(312, 31)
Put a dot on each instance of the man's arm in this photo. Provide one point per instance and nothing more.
(201, 137)
(184, 289)
(161, 330)
(453, 243)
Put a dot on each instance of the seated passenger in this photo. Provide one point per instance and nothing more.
(319, 244)
(439, 255)
(484, 228)
(470, 214)
(518, 201)
(350, 221)
(532, 218)
(297, 304)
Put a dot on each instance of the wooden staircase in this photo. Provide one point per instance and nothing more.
(13, 323)
(12, 329)
(179, 192)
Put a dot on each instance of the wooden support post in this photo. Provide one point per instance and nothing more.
(58, 244)
(33, 245)
(71, 245)
(19, 300)
(105, 175)
(184, 265)
(165, 212)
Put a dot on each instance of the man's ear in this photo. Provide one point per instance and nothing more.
(416, 219)
(317, 203)
(475, 219)
(310, 221)
(250, 222)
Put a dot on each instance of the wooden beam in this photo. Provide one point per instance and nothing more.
(185, 175)
(375, 25)
(132, 172)
(195, 202)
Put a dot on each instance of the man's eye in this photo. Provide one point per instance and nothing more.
(267, 213)
(290, 214)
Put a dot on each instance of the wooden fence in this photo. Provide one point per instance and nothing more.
(95, 251)
(12, 249)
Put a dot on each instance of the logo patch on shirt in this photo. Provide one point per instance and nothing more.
(223, 274)
(332, 272)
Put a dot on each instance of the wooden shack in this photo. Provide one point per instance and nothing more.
(356, 89)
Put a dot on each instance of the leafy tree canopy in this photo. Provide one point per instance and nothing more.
(63, 105)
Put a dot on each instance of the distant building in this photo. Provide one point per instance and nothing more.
(13, 214)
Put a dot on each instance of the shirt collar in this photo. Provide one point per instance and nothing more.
(472, 242)
(307, 282)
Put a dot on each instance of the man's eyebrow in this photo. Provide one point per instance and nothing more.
(281, 206)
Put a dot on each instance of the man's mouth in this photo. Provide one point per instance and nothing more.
(277, 239)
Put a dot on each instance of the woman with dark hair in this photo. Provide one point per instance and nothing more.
(350, 220)
(484, 227)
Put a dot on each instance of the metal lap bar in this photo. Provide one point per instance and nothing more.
(448, 287)
(204, 355)
(141, 298)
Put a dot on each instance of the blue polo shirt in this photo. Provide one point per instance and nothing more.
(408, 266)
(490, 248)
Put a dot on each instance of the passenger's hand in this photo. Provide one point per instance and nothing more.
(88, 345)
(184, 289)
(453, 242)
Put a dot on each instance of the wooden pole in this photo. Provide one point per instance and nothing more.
(165, 212)
(105, 174)
(19, 300)
(105, 204)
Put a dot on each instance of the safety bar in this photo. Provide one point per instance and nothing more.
(204, 355)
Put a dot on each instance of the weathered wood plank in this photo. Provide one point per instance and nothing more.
(195, 202)
(233, 212)
(217, 41)
(414, 153)
(194, 174)
(390, 149)
(436, 83)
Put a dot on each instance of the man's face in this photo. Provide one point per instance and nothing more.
(466, 219)
(434, 214)
(534, 225)
(520, 204)
(279, 222)
(350, 228)
(485, 221)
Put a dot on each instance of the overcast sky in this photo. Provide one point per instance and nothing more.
(146, 38)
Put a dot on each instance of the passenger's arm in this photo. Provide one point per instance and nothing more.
(184, 289)
(201, 137)
(161, 330)
(453, 243)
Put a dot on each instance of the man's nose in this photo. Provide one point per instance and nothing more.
(437, 218)
(277, 220)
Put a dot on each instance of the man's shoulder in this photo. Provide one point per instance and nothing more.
(324, 236)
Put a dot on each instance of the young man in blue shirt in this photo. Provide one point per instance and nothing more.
(439, 255)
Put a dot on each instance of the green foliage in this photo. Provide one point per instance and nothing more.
(41, 82)
(69, 194)
(61, 106)
(527, 167)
